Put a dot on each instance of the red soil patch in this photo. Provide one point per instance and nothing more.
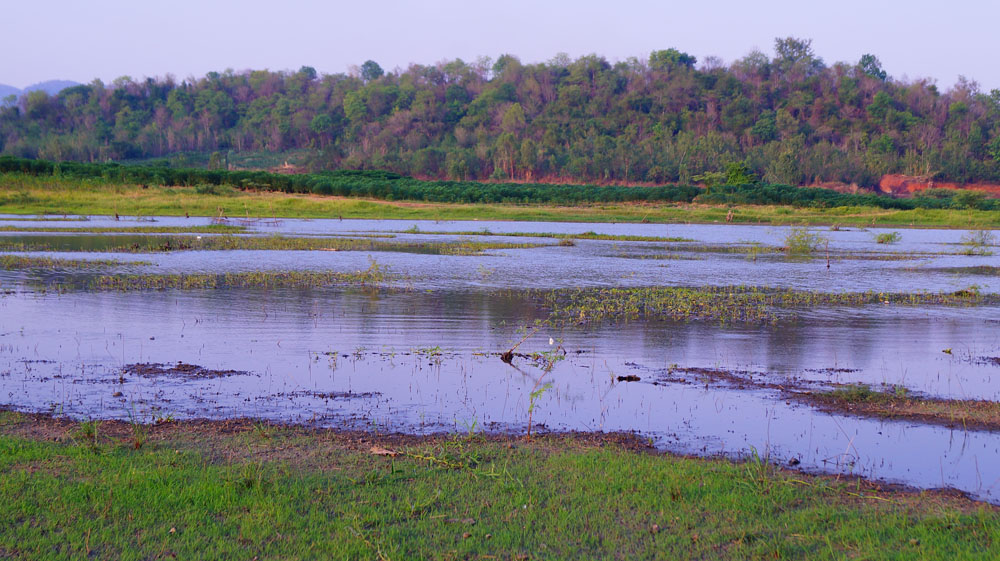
(908, 185)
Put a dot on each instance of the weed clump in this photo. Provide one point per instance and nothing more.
(888, 238)
(978, 242)
(802, 241)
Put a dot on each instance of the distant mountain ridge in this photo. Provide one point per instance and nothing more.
(51, 87)
(6, 90)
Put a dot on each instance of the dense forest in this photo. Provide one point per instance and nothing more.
(789, 119)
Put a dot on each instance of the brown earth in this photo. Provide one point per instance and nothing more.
(907, 185)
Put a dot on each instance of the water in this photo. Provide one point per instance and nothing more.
(424, 358)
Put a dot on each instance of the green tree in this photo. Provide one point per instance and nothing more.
(670, 58)
(766, 128)
(796, 57)
(354, 107)
(370, 70)
(308, 72)
(872, 66)
(513, 120)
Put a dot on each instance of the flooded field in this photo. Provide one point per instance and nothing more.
(401, 326)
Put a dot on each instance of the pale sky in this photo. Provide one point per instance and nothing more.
(85, 39)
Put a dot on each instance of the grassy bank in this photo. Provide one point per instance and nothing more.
(246, 490)
(862, 400)
(24, 194)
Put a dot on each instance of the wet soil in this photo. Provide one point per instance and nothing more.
(181, 370)
(952, 413)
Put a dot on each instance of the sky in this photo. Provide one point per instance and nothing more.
(82, 40)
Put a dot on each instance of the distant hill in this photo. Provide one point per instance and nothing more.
(791, 120)
(51, 87)
(6, 90)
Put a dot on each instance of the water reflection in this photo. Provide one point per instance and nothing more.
(425, 361)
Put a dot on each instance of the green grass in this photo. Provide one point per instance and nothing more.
(19, 262)
(23, 194)
(209, 229)
(888, 237)
(374, 275)
(228, 242)
(898, 403)
(583, 236)
(231, 491)
(727, 304)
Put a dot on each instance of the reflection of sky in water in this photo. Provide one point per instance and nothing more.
(282, 339)
(65, 352)
(588, 263)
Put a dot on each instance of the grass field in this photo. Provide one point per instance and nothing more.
(247, 490)
(23, 194)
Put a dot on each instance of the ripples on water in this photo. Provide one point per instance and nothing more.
(425, 359)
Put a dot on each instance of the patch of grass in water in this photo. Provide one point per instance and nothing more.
(278, 243)
(898, 403)
(374, 275)
(591, 235)
(206, 229)
(18, 262)
(978, 242)
(888, 238)
(726, 304)
(803, 242)
(983, 270)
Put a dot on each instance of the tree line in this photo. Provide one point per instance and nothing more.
(790, 118)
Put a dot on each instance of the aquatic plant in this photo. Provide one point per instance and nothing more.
(374, 275)
(548, 359)
(888, 238)
(279, 243)
(802, 241)
(209, 229)
(727, 304)
(977, 242)
(15, 262)
(589, 235)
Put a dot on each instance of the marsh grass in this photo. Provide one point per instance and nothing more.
(802, 242)
(206, 491)
(590, 235)
(17, 262)
(269, 243)
(207, 229)
(376, 274)
(897, 402)
(726, 304)
(888, 238)
(978, 242)
(983, 270)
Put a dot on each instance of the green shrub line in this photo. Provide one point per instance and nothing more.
(391, 186)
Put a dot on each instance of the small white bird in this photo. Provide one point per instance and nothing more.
(551, 341)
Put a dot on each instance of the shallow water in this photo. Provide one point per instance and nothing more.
(424, 358)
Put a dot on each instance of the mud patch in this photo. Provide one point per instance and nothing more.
(179, 370)
(328, 396)
(987, 360)
(886, 402)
